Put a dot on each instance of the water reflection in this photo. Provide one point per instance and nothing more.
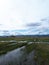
(17, 57)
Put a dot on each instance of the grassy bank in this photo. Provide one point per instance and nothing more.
(41, 49)
(6, 47)
(42, 54)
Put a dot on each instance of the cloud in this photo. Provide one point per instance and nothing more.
(46, 19)
(0, 24)
(33, 24)
(15, 14)
(41, 27)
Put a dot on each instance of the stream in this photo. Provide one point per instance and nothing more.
(17, 57)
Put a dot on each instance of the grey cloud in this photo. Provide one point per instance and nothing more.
(45, 19)
(0, 24)
(41, 27)
(33, 24)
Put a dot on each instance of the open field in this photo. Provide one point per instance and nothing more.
(26, 38)
(41, 56)
(12, 42)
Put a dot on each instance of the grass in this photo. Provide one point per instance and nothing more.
(26, 38)
(42, 54)
(6, 47)
(41, 49)
(30, 47)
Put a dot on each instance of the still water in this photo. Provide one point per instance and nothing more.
(17, 57)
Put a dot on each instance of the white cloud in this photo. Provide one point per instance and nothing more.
(15, 14)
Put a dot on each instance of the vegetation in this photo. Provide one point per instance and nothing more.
(42, 54)
(6, 47)
(41, 49)
(26, 38)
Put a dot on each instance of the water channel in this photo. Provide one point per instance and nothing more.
(17, 57)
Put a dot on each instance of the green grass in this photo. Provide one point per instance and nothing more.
(41, 49)
(42, 54)
(25, 38)
(5, 47)
(30, 47)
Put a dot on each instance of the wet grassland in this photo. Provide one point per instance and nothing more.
(41, 56)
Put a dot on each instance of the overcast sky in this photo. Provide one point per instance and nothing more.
(25, 16)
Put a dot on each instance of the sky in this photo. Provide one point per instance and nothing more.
(25, 17)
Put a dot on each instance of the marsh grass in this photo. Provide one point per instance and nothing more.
(42, 54)
(30, 47)
(6, 47)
